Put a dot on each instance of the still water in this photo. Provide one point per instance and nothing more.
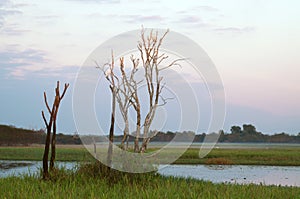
(17, 168)
(267, 175)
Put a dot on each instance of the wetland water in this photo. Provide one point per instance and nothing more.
(267, 175)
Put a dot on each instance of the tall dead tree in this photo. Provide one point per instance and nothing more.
(152, 61)
(130, 92)
(111, 78)
(124, 88)
(125, 97)
(49, 125)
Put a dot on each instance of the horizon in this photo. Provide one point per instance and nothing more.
(253, 44)
(165, 132)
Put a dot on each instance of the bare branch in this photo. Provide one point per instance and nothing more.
(46, 102)
(162, 38)
(174, 63)
(165, 100)
(44, 118)
(64, 92)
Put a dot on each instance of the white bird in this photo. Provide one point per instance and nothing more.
(107, 73)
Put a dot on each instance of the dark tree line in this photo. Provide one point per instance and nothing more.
(12, 136)
(248, 133)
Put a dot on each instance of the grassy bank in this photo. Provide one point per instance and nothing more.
(273, 156)
(283, 156)
(88, 184)
(36, 153)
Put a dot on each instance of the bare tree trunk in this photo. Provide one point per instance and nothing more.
(125, 134)
(113, 111)
(138, 129)
(57, 101)
(52, 122)
(127, 142)
(95, 148)
(145, 132)
(46, 153)
(111, 130)
(53, 151)
(53, 140)
(48, 137)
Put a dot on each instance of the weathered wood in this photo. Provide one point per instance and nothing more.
(57, 101)
(49, 125)
(113, 111)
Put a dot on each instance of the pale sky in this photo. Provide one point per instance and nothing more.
(253, 43)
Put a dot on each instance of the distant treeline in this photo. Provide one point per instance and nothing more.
(11, 136)
(248, 133)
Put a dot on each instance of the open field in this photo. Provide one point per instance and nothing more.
(86, 183)
(282, 156)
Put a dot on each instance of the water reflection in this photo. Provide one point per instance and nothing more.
(16, 168)
(4, 165)
(217, 167)
(268, 175)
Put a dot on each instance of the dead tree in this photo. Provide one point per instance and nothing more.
(111, 78)
(124, 89)
(49, 125)
(130, 93)
(124, 98)
(58, 99)
(152, 61)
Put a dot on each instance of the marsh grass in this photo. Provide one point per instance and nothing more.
(36, 153)
(218, 161)
(283, 156)
(271, 156)
(96, 181)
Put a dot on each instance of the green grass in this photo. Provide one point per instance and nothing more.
(87, 182)
(36, 153)
(272, 156)
(284, 156)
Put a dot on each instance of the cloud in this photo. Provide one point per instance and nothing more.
(9, 12)
(198, 9)
(18, 62)
(21, 64)
(97, 1)
(206, 8)
(12, 30)
(4, 2)
(24, 56)
(234, 30)
(46, 17)
(4, 11)
(136, 18)
(21, 5)
(65, 72)
(212, 20)
(190, 19)
(142, 18)
(193, 20)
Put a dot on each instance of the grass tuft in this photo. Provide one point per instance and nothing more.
(218, 161)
